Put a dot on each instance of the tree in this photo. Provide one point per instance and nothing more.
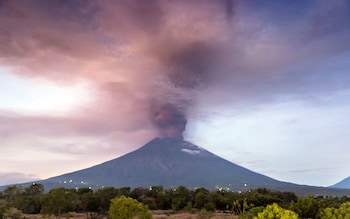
(138, 193)
(181, 196)
(11, 192)
(240, 208)
(128, 208)
(154, 191)
(58, 201)
(123, 191)
(305, 207)
(154, 197)
(26, 199)
(3, 210)
(200, 199)
(89, 203)
(343, 212)
(104, 197)
(276, 212)
(262, 197)
(32, 198)
(218, 198)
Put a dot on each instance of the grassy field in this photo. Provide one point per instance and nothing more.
(201, 215)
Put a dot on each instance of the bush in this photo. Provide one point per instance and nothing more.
(276, 212)
(253, 212)
(128, 208)
(13, 213)
(306, 207)
(342, 212)
(3, 210)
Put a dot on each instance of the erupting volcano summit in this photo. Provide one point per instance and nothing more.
(169, 120)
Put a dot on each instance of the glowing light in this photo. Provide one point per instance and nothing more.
(33, 96)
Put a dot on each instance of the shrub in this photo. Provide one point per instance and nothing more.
(342, 212)
(276, 212)
(13, 213)
(128, 208)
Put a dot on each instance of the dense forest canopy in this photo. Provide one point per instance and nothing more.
(60, 201)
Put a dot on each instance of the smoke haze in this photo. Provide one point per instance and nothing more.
(170, 120)
(133, 52)
(149, 68)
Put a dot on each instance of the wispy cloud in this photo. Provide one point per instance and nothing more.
(11, 177)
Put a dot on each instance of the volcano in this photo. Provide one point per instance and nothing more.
(343, 184)
(173, 162)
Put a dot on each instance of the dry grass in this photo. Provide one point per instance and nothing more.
(195, 216)
(156, 215)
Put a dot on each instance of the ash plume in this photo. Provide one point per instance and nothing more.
(146, 50)
(170, 120)
(167, 51)
(140, 68)
(188, 63)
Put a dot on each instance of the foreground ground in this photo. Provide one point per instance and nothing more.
(165, 215)
(156, 215)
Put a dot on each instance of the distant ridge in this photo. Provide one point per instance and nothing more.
(343, 184)
(174, 162)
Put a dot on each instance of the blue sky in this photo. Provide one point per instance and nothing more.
(265, 85)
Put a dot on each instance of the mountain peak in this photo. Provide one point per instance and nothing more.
(343, 184)
(173, 162)
(164, 146)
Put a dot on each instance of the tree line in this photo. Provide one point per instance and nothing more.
(16, 200)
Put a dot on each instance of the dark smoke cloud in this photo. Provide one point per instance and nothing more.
(169, 119)
(192, 66)
(188, 70)
(142, 55)
(148, 66)
(118, 46)
(189, 61)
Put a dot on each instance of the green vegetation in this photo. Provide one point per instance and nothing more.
(250, 204)
(276, 212)
(128, 208)
(306, 207)
(343, 212)
(13, 213)
(59, 201)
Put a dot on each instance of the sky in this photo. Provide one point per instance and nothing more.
(263, 84)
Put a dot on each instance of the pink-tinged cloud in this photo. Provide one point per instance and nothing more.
(185, 42)
(134, 53)
(137, 56)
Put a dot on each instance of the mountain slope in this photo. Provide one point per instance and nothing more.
(344, 184)
(171, 163)
(167, 162)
